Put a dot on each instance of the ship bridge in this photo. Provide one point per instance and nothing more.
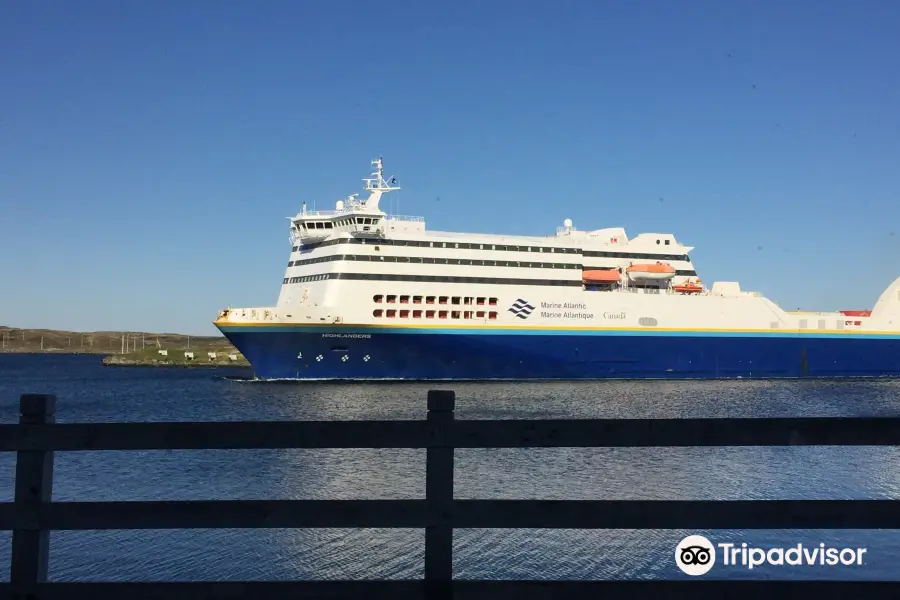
(350, 216)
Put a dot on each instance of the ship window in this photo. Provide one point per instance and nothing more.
(467, 314)
(492, 315)
(480, 301)
(404, 299)
(492, 301)
(647, 322)
(392, 298)
(417, 299)
(429, 300)
(417, 314)
(404, 314)
(455, 300)
(328, 225)
(377, 312)
(429, 314)
(480, 314)
(667, 242)
(455, 314)
(468, 300)
(442, 314)
(367, 221)
(442, 300)
(657, 242)
(392, 313)
(378, 298)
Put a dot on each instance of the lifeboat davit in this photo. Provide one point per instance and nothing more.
(688, 287)
(651, 272)
(601, 276)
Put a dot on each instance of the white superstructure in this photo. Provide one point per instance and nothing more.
(358, 265)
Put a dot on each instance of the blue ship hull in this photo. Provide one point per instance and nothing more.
(491, 354)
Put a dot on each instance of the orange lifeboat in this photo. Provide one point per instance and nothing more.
(688, 287)
(652, 272)
(601, 276)
(856, 313)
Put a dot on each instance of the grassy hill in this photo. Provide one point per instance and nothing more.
(126, 347)
(14, 339)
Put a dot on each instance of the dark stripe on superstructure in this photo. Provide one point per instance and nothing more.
(491, 247)
(437, 260)
(433, 279)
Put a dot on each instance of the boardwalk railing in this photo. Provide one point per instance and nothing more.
(33, 515)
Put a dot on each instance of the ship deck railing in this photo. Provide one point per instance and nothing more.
(413, 218)
(33, 514)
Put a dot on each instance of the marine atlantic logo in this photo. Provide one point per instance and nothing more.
(521, 308)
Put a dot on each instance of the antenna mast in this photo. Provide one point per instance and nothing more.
(376, 184)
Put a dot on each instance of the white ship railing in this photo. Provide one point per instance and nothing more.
(405, 218)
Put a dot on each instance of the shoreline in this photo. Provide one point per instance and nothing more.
(130, 360)
(124, 348)
(116, 360)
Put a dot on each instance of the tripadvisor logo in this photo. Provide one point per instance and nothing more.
(696, 555)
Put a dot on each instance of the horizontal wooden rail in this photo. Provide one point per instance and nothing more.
(460, 514)
(33, 515)
(579, 433)
(461, 590)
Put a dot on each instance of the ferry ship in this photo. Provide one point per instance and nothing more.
(370, 296)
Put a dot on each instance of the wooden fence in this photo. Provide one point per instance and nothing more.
(33, 515)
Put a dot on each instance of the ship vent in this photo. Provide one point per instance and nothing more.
(647, 322)
(839, 323)
(821, 323)
(774, 324)
(802, 323)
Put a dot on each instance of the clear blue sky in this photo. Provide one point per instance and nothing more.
(151, 150)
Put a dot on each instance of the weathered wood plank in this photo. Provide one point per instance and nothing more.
(677, 514)
(216, 435)
(219, 590)
(33, 490)
(439, 496)
(462, 590)
(203, 514)
(621, 433)
(537, 514)
(689, 590)
(587, 433)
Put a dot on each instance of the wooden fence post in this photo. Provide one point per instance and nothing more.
(34, 486)
(439, 496)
